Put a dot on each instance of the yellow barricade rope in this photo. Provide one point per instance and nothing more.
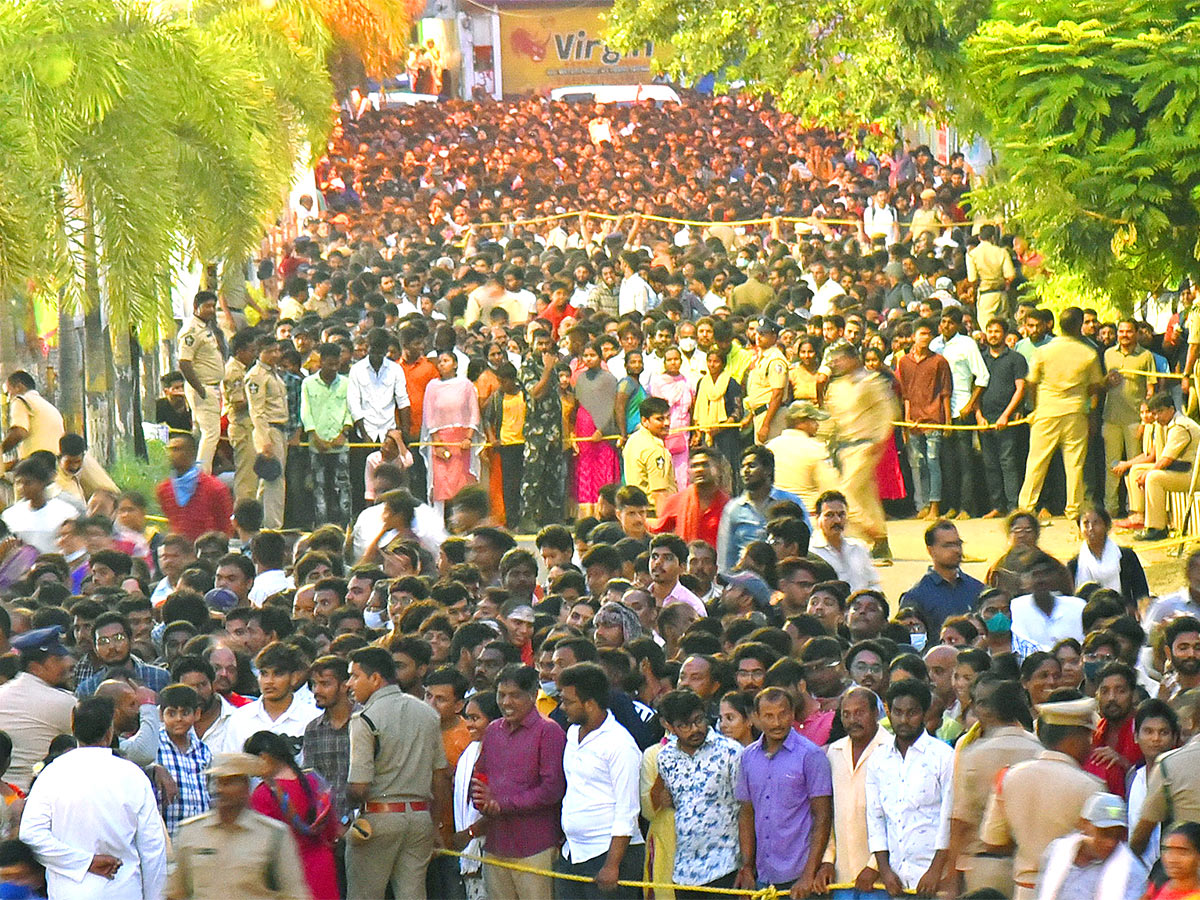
(929, 426)
(812, 221)
(1145, 374)
(767, 893)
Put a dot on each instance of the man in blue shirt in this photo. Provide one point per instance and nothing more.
(945, 590)
(744, 518)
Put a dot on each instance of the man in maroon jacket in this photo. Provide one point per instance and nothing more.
(193, 500)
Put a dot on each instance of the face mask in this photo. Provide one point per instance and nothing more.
(1092, 667)
(918, 639)
(741, 262)
(998, 622)
(550, 688)
(687, 345)
(373, 618)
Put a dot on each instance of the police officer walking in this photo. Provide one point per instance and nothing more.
(202, 362)
(243, 348)
(266, 397)
(400, 779)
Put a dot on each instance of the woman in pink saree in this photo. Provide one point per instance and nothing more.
(451, 420)
(675, 388)
(597, 462)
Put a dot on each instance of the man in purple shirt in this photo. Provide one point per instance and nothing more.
(786, 790)
(518, 786)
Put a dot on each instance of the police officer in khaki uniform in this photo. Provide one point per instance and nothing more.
(398, 777)
(766, 383)
(1172, 469)
(990, 270)
(266, 398)
(202, 362)
(1124, 395)
(232, 851)
(1038, 801)
(802, 465)
(1002, 743)
(645, 455)
(862, 407)
(243, 350)
(1063, 377)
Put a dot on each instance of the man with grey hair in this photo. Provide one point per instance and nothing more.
(615, 625)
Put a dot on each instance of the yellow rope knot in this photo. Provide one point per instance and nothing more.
(770, 892)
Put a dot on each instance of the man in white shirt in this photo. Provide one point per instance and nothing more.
(34, 706)
(1043, 616)
(908, 798)
(879, 219)
(600, 810)
(92, 819)
(377, 393)
(850, 558)
(36, 518)
(268, 550)
(969, 375)
(279, 709)
(634, 294)
(825, 290)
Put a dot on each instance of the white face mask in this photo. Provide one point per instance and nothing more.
(918, 639)
(687, 345)
(550, 688)
(373, 618)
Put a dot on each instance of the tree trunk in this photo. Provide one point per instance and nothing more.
(70, 371)
(98, 352)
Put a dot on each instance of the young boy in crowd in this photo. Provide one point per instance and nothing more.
(183, 754)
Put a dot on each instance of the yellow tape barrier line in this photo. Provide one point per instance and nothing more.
(1174, 375)
(767, 893)
(928, 426)
(696, 223)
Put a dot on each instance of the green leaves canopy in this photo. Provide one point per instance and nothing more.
(1091, 105)
(160, 137)
(1097, 123)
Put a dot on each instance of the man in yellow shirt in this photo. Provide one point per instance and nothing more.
(1124, 395)
(1063, 379)
(647, 460)
(802, 464)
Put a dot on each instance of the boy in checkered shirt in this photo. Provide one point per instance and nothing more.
(182, 754)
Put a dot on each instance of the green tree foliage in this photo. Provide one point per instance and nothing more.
(1094, 109)
(1092, 105)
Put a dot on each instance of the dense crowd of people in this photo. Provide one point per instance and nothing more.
(521, 515)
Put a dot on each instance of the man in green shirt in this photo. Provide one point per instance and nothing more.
(325, 417)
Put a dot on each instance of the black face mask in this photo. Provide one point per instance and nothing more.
(1092, 667)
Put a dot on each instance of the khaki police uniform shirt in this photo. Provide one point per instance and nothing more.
(768, 373)
(40, 418)
(255, 858)
(976, 769)
(862, 406)
(198, 343)
(399, 757)
(1035, 803)
(753, 292)
(1063, 369)
(802, 465)
(1173, 786)
(648, 463)
(1122, 403)
(266, 397)
(234, 388)
(989, 266)
(1181, 440)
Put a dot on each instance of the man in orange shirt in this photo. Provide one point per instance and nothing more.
(445, 691)
(419, 370)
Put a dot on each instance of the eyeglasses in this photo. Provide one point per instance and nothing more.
(866, 669)
(112, 639)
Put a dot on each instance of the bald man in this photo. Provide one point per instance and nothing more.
(136, 723)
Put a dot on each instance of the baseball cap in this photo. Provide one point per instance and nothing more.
(752, 584)
(802, 409)
(1105, 811)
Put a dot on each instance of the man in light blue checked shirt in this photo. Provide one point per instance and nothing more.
(183, 754)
